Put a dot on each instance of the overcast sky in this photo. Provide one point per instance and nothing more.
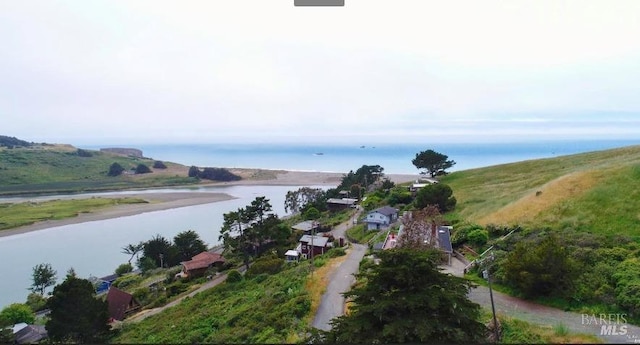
(85, 72)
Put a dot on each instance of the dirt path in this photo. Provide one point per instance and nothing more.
(149, 312)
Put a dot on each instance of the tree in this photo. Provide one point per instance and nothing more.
(36, 302)
(236, 236)
(188, 244)
(76, 315)
(433, 162)
(161, 251)
(43, 276)
(17, 313)
(365, 176)
(311, 213)
(218, 174)
(115, 170)
(438, 194)
(541, 269)
(304, 197)
(406, 299)
(132, 249)
(194, 171)
(420, 227)
(159, 165)
(142, 169)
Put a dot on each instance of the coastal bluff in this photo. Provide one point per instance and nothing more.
(124, 151)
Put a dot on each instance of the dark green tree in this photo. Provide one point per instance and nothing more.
(365, 176)
(433, 162)
(540, 269)
(438, 194)
(6, 334)
(236, 235)
(188, 244)
(406, 299)
(124, 269)
(159, 165)
(161, 251)
(17, 313)
(115, 170)
(76, 315)
(194, 172)
(311, 213)
(43, 276)
(142, 169)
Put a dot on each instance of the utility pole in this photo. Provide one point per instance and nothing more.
(161, 261)
(313, 230)
(487, 276)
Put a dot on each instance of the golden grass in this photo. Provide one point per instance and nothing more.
(525, 209)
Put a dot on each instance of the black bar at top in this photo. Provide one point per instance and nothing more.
(318, 2)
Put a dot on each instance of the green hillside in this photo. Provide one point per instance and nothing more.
(63, 168)
(596, 192)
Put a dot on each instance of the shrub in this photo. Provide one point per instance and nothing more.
(115, 170)
(159, 165)
(36, 302)
(234, 276)
(478, 237)
(124, 269)
(336, 252)
(194, 171)
(265, 265)
(218, 174)
(142, 169)
(127, 280)
(84, 153)
(176, 288)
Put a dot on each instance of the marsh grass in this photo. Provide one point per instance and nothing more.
(20, 214)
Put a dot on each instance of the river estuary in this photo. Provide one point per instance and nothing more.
(94, 248)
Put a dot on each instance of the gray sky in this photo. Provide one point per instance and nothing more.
(394, 70)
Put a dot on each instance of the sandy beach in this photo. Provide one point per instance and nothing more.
(164, 201)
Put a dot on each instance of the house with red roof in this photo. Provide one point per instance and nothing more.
(121, 304)
(200, 263)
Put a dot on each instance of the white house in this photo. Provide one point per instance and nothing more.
(380, 218)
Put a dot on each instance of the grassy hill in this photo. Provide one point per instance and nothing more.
(44, 168)
(596, 192)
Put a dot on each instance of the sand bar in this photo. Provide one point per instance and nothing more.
(164, 201)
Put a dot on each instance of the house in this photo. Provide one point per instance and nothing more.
(307, 226)
(104, 283)
(121, 304)
(381, 217)
(421, 184)
(29, 334)
(200, 263)
(308, 244)
(444, 241)
(292, 256)
(334, 204)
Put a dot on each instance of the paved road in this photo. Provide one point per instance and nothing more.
(543, 315)
(340, 229)
(332, 303)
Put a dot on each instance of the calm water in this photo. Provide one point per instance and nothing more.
(394, 158)
(93, 248)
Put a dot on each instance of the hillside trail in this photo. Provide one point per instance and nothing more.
(615, 331)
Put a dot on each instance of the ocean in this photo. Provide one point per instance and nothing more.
(394, 158)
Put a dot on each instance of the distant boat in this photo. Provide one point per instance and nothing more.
(318, 154)
(362, 146)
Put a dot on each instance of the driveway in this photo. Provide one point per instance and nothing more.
(333, 303)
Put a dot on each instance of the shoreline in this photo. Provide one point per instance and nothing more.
(160, 201)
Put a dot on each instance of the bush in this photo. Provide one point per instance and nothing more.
(194, 171)
(36, 302)
(265, 265)
(478, 237)
(218, 174)
(142, 169)
(176, 288)
(115, 170)
(336, 252)
(159, 165)
(142, 295)
(84, 153)
(234, 276)
(127, 280)
(124, 269)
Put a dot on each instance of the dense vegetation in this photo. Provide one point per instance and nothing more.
(12, 142)
(214, 174)
(263, 309)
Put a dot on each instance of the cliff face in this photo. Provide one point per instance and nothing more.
(124, 151)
